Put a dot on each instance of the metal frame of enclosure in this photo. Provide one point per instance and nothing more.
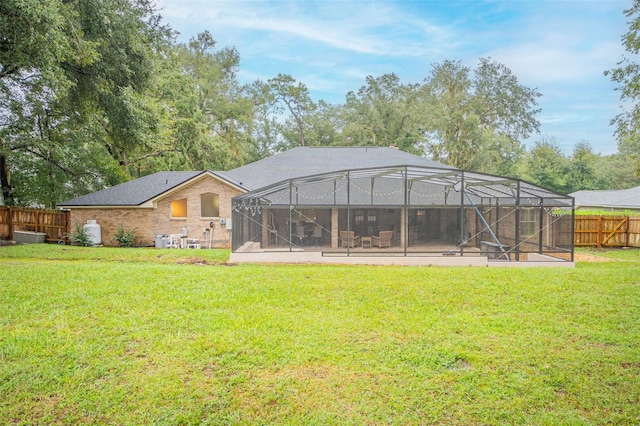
(408, 211)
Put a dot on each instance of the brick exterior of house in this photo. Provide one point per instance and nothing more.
(148, 222)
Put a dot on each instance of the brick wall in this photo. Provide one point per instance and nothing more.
(164, 224)
(140, 220)
(149, 222)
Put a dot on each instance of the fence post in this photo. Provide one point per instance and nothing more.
(626, 230)
(67, 223)
(599, 241)
(10, 223)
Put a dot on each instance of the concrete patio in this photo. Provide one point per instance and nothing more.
(253, 254)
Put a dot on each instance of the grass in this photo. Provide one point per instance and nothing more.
(113, 254)
(599, 212)
(137, 336)
(627, 254)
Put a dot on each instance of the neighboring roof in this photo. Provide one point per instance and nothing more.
(306, 161)
(134, 192)
(622, 198)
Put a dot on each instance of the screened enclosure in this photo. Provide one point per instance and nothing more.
(406, 211)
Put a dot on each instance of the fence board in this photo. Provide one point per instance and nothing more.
(54, 223)
(633, 232)
(607, 231)
(5, 223)
(587, 230)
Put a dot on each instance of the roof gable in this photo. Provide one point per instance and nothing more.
(134, 192)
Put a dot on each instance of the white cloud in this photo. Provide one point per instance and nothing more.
(384, 30)
(561, 48)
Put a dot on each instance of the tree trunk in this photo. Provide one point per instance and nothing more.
(5, 193)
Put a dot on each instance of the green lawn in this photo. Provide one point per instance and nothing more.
(139, 336)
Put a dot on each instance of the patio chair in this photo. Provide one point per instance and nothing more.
(299, 234)
(317, 234)
(174, 241)
(349, 239)
(382, 240)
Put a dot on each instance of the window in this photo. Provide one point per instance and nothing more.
(527, 222)
(366, 215)
(209, 205)
(179, 208)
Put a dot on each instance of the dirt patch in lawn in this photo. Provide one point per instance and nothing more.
(587, 257)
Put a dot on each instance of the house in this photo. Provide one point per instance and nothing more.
(351, 201)
(613, 200)
(163, 203)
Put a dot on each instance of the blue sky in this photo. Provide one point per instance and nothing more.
(561, 48)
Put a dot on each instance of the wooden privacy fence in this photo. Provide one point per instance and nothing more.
(54, 223)
(607, 231)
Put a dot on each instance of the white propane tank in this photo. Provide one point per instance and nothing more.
(94, 232)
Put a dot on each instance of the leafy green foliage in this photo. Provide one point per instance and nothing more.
(484, 111)
(75, 84)
(80, 236)
(284, 93)
(595, 212)
(125, 237)
(94, 93)
(582, 170)
(386, 112)
(627, 76)
(547, 166)
(615, 172)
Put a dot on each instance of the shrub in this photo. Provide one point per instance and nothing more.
(80, 236)
(125, 237)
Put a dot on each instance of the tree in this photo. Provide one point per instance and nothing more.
(75, 83)
(498, 154)
(385, 112)
(547, 166)
(325, 125)
(615, 172)
(34, 39)
(207, 115)
(627, 75)
(475, 112)
(127, 36)
(285, 93)
(582, 170)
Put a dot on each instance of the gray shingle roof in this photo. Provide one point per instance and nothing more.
(623, 198)
(306, 161)
(296, 162)
(135, 192)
